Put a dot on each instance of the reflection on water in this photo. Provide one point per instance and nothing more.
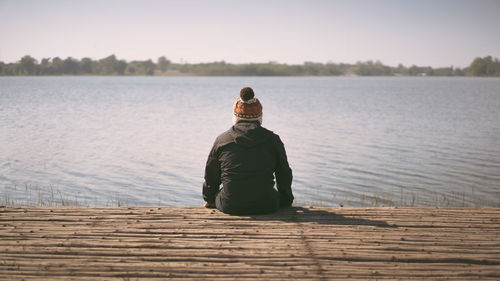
(350, 141)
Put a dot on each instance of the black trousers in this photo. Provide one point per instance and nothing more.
(267, 205)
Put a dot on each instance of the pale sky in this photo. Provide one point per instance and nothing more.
(422, 32)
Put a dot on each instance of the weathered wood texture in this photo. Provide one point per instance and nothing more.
(129, 243)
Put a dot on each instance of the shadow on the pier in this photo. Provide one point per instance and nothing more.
(301, 214)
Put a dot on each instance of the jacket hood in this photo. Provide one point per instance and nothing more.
(248, 134)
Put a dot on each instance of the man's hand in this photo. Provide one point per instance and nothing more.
(210, 205)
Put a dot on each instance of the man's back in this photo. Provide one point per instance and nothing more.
(245, 160)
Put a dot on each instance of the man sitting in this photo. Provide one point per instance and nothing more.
(245, 160)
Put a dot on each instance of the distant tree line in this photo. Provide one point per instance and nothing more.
(110, 65)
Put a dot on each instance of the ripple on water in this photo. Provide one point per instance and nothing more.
(350, 141)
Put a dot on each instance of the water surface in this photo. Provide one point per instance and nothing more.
(350, 141)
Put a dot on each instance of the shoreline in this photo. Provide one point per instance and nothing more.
(267, 76)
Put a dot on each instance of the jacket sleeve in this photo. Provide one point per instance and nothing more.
(212, 176)
(283, 176)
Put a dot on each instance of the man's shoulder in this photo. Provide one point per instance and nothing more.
(224, 138)
(269, 132)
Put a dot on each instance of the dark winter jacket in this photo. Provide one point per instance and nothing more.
(245, 159)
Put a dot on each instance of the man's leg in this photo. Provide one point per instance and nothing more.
(269, 204)
(219, 203)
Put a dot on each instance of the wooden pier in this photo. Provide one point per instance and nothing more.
(194, 243)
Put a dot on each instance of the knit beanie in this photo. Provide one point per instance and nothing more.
(247, 107)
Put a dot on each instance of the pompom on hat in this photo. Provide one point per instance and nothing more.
(247, 107)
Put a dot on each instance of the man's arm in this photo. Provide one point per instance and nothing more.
(212, 177)
(283, 175)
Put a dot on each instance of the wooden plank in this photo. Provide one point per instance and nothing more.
(191, 243)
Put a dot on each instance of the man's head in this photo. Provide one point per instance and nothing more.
(247, 107)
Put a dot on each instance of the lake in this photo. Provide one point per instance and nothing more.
(351, 141)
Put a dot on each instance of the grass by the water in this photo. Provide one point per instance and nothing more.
(400, 198)
(29, 195)
(53, 196)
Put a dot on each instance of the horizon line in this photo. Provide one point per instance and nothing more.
(183, 61)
